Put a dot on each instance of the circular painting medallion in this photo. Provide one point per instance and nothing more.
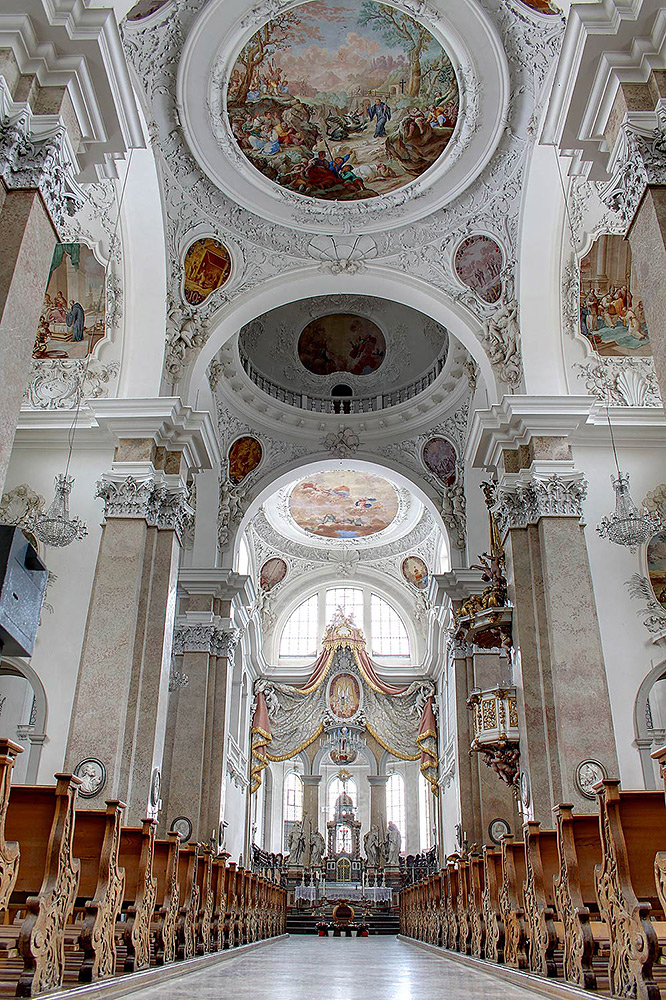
(155, 787)
(93, 777)
(478, 262)
(347, 504)
(207, 266)
(588, 774)
(540, 6)
(656, 560)
(244, 456)
(144, 8)
(415, 572)
(183, 827)
(498, 828)
(341, 342)
(342, 101)
(344, 696)
(272, 572)
(439, 457)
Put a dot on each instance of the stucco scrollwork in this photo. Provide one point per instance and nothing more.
(622, 381)
(59, 383)
(162, 505)
(22, 507)
(653, 614)
(342, 443)
(639, 159)
(187, 332)
(501, 338)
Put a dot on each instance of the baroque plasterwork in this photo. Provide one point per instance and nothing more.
(621, 381)
(264, 249)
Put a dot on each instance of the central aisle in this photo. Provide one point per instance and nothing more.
(313, 968)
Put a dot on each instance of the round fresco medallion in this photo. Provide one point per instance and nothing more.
(656, 560)
(272, 572)
(345, 504)
(144, 8)
(415, 572)
(182, 825)
(439, 457)
(540, 6)
(478, 262)
(343, 100)
(344, 696)
(244, 457)
(207, 267)
(341, 342)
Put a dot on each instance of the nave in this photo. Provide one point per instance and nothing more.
(308, 968)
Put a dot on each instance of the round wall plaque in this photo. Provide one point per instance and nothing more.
(183, 827)
(92, 773)
(498, 828)
(155, 786)
(525, 792)
(588, 773)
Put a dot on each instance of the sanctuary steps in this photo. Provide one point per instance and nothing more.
(583, 902)
(85, 899)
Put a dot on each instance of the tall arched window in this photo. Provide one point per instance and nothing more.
(335, 790)
(426, 835)
(299, 635)
(389, 635)
(293, 798)
(350, 599)
(395, 804)
(243, 557)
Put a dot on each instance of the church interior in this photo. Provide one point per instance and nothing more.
(333, 499)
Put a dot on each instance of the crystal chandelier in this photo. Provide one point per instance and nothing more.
(627, 525)
(345, 744)
(55, 527)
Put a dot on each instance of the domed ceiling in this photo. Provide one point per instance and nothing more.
(366, 343)
(342, 101)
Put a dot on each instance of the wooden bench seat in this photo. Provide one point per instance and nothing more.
(490, 905)
(166, 867)
(542, 866)
(137, 848)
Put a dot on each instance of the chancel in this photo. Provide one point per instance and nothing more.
(333, 499)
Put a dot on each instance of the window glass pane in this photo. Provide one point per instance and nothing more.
(243, 559)
(350, 599)
(293, 798)
(395, 804)
(425, 814)
(389, 635)
(299, 635)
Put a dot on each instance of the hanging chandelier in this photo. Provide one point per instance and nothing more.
(627, 525)
(55, 527)
(345, 744)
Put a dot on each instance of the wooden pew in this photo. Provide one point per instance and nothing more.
(632, 826)
(542, 866)
(462, 908)
(490, 905)
(137, 848)
(189, 902)
(41, 818)
(207, 902)
(579, 851)
(166, 866)
(10, 853)
(220, 904)
(660, 857)
(451, 901)
(511, 902)
(477, 928)
(230, 914)
(101, 888)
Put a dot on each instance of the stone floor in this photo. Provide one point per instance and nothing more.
(311, 968)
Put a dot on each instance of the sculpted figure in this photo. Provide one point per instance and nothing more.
(393, 845)
(317, 849)
(372, 845)
(296, 844)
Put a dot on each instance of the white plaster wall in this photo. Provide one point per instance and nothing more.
(628, 649)
(60, 636)
(234, 815)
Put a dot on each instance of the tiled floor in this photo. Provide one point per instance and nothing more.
(310, 968)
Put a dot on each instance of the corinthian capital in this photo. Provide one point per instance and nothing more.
(527, 497)
(639, 160)
(36, 153)
(206, 637)
(161, 501)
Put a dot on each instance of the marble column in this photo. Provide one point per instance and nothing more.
(377, 784)
(563, 701)
(120, 703)
(198, 711)
(36, 162)
(311, 783)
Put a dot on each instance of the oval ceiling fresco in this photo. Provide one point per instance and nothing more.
(272, 572)
(207, 267)
(656, 559)
(343, 100)
(345, 504)
(415, 572)
(341, 343)
(439, 457)
(478, 262)
(244, 457)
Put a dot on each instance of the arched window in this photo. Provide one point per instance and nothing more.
(389, 635)
(395, 804)
(243, 557)
(293, 798)
(425, 814)
(299, 635)
(335, 790)
(350, 599)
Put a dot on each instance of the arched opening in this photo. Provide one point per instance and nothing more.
(23, 713)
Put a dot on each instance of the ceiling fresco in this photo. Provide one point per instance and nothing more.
(341, 342)
(343, 101)
(345, 504)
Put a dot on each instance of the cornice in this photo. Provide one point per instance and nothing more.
(457, 584)
(224, 584)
